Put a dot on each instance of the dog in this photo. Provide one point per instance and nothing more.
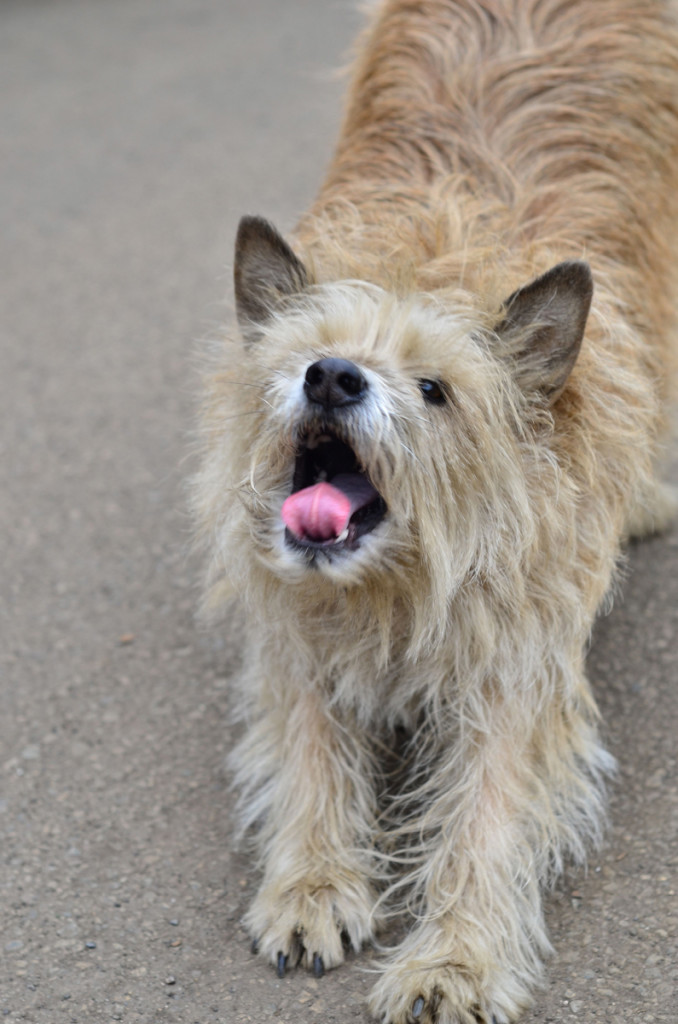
(422, 457)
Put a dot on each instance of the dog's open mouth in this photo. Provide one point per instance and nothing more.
(333, 502)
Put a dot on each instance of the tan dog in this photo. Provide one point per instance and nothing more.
(419, 468)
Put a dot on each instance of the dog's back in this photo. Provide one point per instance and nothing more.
(480, 132)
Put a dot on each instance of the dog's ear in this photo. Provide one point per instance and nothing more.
(265, 271)
(543, 324)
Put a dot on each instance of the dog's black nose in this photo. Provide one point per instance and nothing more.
(334, 382)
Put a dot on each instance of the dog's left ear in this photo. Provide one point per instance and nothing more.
(265, 271)
(543, 327)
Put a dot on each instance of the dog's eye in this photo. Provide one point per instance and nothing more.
(432, 391)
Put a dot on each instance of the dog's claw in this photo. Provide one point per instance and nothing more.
(254, 948)
(418, 1007)
(318, 965)
(282, 964)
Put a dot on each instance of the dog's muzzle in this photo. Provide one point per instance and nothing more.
(333, 501)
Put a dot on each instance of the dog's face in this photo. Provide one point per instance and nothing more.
(377, 436)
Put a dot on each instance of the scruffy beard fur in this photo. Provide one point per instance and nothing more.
(475, 322)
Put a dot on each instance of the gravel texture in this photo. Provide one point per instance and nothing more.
(133, 134)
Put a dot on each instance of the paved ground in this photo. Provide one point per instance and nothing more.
(133, 135)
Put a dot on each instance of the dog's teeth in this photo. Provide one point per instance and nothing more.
(342, 536)
(313, 441)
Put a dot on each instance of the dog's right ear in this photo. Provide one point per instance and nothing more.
(543, 326)
(265, 272)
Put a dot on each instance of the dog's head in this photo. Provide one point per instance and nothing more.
(376, 437)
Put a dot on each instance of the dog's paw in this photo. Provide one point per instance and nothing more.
(410, 993)
(310, 923)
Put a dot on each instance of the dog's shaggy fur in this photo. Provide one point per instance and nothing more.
(509, 427)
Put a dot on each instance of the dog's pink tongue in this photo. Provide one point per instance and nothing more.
(322, 512)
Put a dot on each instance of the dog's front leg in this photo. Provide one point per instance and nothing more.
(315, 790)
(493, 814)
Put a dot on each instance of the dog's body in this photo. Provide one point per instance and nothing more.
(419, 471)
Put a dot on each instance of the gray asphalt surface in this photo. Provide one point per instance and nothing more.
(133, 134)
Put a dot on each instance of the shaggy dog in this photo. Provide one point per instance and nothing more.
(442, 421)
